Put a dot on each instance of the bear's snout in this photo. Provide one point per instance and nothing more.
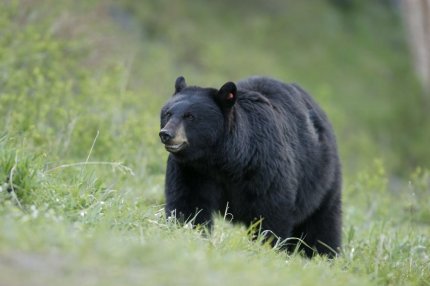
(173, 137)
(165, 136)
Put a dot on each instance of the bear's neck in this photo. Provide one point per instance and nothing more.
(235, 152)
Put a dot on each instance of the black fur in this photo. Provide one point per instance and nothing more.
(268, 154)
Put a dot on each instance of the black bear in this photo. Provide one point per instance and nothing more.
(261, 150)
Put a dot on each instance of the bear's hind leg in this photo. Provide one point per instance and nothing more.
(322, 231)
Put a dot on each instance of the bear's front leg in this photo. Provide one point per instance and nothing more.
(190, 196)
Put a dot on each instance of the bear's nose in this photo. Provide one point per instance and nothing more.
(165, 136)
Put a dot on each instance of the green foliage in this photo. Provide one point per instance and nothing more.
(82, 170)
(418, 198)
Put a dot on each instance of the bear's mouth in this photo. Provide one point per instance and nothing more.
(175, 148)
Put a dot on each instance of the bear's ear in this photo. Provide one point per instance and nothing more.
(180, 84)
(227, 94)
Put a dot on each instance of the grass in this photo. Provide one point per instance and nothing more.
(79, 231)
(82, 170)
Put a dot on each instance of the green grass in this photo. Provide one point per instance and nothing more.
(82, 170)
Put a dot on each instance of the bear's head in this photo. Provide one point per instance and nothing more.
(193, 121)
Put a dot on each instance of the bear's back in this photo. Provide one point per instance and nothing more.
(290, 100)
(277, 93)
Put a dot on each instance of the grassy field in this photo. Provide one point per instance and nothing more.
(82, 169)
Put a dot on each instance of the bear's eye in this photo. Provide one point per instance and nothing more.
(188, 116)
(168, 114)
